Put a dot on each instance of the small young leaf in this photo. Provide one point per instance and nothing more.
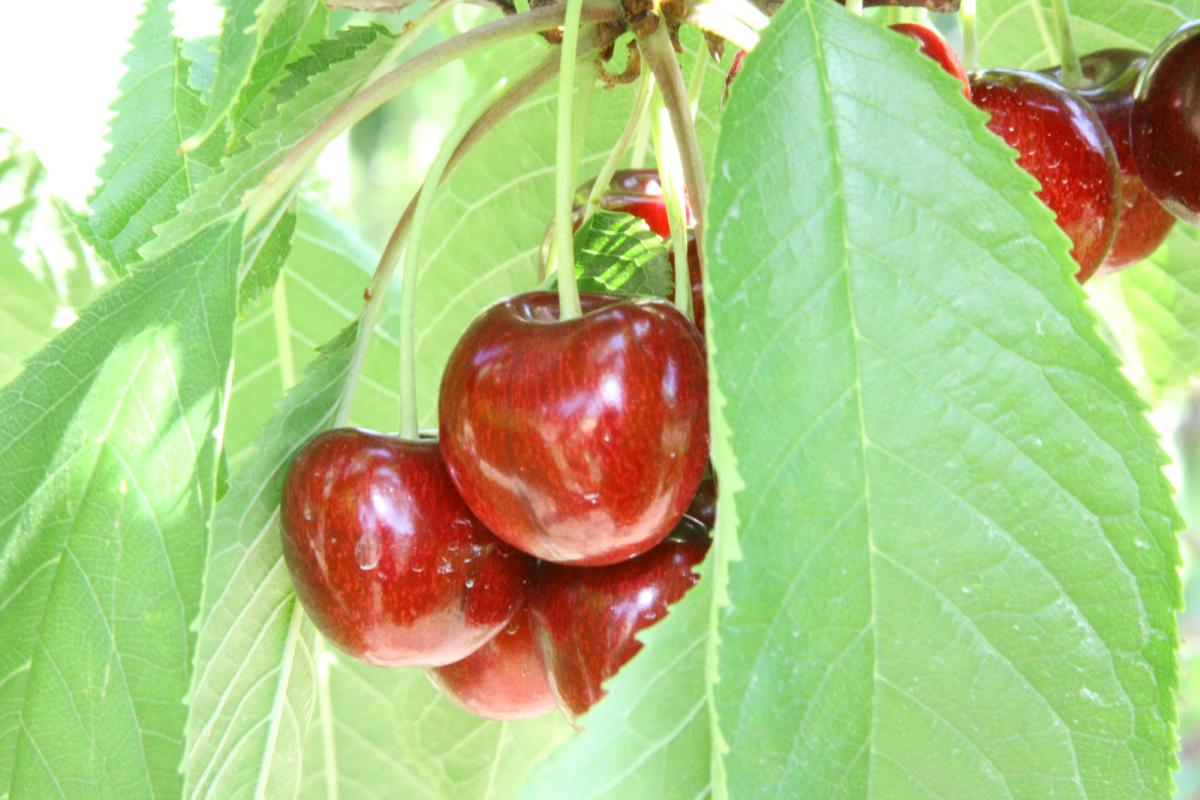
(109, 445)
(348, 60)
(144, 178)
(256, 38)
(27, 308)
(619, 253)
(960, 571)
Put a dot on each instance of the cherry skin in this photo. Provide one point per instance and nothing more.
(693, 259)
(703, 508)
(937, 48)
(1059, 141)
(579, 441)
(586, 620)
(386, 558)
(1165, 127)
(504, 679)
(1143, 223)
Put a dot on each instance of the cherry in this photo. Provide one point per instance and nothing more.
(1143, 223)
(504, 679)
(1060, 141)
(703, 508)
(586, 620)
(1165, 127)
(386, 558)
(634, 191)
(937, 48)
(578, 441)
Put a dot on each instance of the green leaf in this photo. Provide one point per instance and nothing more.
(342, 68)
(27, 310)
(270, 252)
(959, 573)
(475, 255)
(256, 38)
(1021, 34)
(144, 178)
(1163, 297)
(109, 445)
(252, 689)
(385, 733)
(619, 253)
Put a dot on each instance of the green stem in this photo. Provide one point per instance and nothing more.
(522, 6)
(660, 55)
(261, 200)
(641, 145)
(408, 279)
(1072, 72)
(743, 11)
(411, 34)
(670, 172)
(641, 105)
(568, 289)
(390, 258)
(966, 17)
(583, 109)
(855, 7)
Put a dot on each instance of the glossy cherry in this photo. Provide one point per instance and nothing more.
(387, 560)
(1143, 224)
(1166, 123)
(504, 679)
(703, 508)
(634, 191)
(697, 278)
(585, 620)
(1060, 141)
(579, 441)
(937, 48)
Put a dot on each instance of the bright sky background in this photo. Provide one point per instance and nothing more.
(60, 63)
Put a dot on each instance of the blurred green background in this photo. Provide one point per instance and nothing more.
(368, 176)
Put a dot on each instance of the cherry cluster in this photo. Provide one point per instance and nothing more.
(1116, 149)
(560, 509)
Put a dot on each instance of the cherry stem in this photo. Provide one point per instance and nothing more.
(696, 82)
(715, 19)
(262, 199)
(411, 33)
(670, 172)
(658, 52)
(743, 11)
(408, 280)
(966, 17)
(521, 91)
(641, 105)
(1072, 72)
(564, 232)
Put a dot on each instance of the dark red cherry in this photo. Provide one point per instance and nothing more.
(387, 560)
(1166, 123)
(703, 507)
(1060, 141)
(937, 48)
(586, 620)
(579, 441)
(638, 192)
(1110, 76)
(504, 679)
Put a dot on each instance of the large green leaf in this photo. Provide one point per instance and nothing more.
(960, 568)
(489, 220)
(109, 445)
(1163, 298)
(144, 177)
(384, 733)
(1022, 34)
(335, 71)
